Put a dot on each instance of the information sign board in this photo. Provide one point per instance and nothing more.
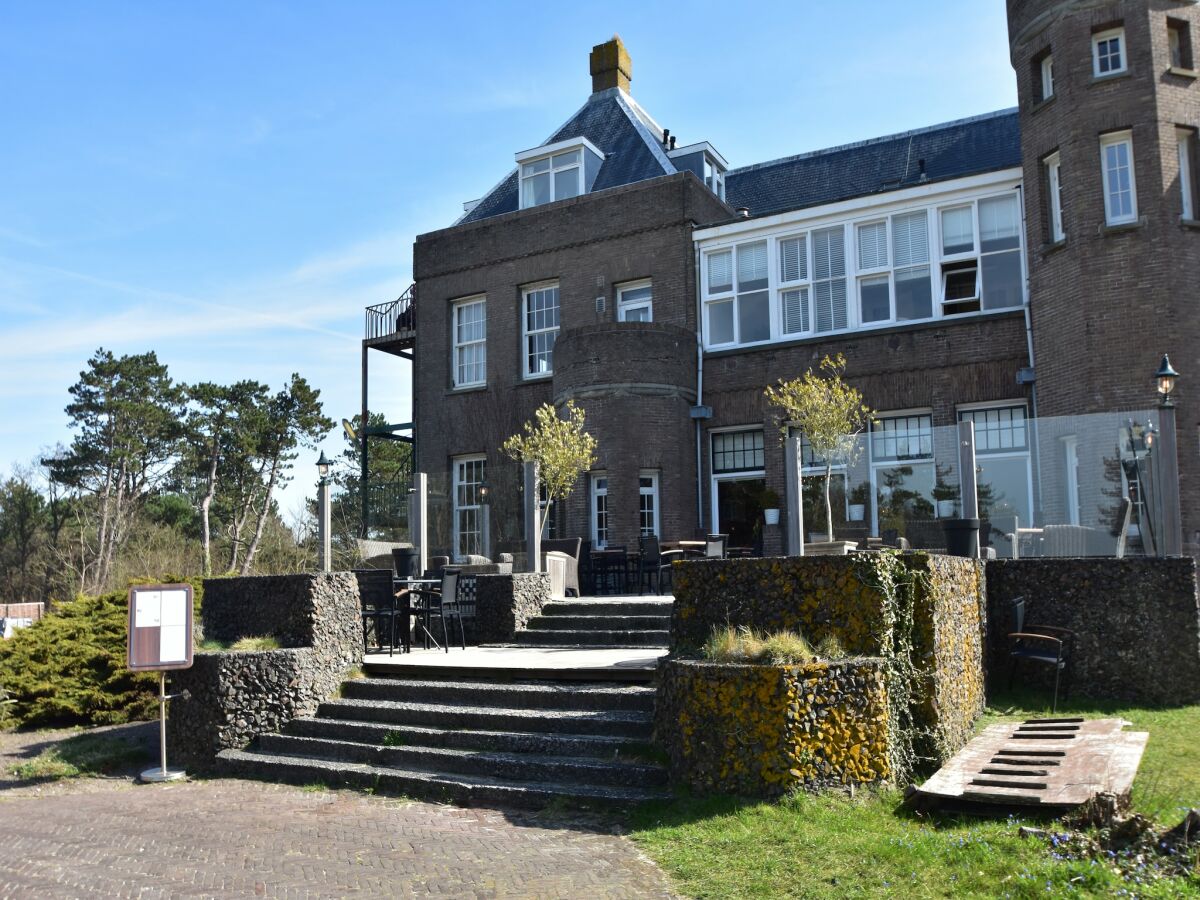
(160, 627)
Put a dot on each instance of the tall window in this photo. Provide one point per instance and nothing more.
(987, 274)
(1046, 75)
(635, 302)
(1120, 191)
(1003, 479)
(910, 250)
(1187, 185)
(903, 473)
(552, 178)
(540, 326)
(1054, 197)
(739, 304)
(648, 503)
(829, 278)
(793, 269)
(1179, 43)
(599, 510)
(470, 342)
(468, 525)
(1108, 52)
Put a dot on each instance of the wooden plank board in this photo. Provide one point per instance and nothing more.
(1059, 763)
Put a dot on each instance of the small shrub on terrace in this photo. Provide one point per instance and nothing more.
(744, 645)
(829, 647)
(262, 642)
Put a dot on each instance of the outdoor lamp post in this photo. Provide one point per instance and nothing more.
(323, 513)
(1166, 376)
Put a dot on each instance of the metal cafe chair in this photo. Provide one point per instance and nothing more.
(434, 600)
(1045, 645)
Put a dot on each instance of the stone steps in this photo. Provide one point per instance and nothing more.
(544, 637)
(509, 743)
(602, 606)
(600, 623)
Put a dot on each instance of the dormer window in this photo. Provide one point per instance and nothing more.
(558, 171)
(703, 161)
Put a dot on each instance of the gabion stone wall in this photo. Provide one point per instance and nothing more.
(505, 603)
(1137, 624)
(845, 596)
(236, 696)
(761, 731)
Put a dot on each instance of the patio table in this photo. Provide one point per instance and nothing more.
(410, 610)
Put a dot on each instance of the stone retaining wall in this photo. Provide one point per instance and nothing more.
(758, 730)
(1137, 623)
(236, 696)
(505, 603)
(844, 597)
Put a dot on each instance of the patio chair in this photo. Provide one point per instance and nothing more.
(714, 545)
(657, 561)
(378, 614)
(609, 570)
(434, 600)
(1123, 518)
(1045, 645)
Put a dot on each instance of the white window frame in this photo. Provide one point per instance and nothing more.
(625, 306)
(740, 475)
(528, 159)
(461, 535)
(461, 347)
(799, 296)
(1115, 139)
(1102, 37)
(1187, 187)
(1071, 464)
(877, 464)
(527, 334)
(1025, 453)
(1053, 164)
(1047, 75)
(648, 494)
(597, 492)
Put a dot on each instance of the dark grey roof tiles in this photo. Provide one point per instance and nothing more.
(614, 128)
(953, 150)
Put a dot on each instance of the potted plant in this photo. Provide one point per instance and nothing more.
(770, 506)
(856, 509)
(945, 493)
(829, 413)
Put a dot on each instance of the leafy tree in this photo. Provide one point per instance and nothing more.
(127, 414)
(829, 412)
(560, 447)
(224, 425)
(294, 419)
(23, 540)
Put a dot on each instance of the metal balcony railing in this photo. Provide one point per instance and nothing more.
(396, 317)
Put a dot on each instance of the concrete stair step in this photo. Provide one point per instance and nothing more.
(577, 638)
(523, 767)
(600, 623)
(468, 790)
(618, 606)
(623, 723)
(599, 745)
(528, 695)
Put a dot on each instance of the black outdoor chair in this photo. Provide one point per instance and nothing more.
(656, 561)
(379, 615)
(1046, 645)
(715, 545)
(444, 602)
(609, 570)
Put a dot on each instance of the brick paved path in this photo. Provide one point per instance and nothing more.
(235, 838)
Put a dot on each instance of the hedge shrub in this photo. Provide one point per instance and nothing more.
(68, 668)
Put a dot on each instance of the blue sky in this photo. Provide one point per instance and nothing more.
(229, 184)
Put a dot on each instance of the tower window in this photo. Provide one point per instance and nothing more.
(1043, 76)
(1108, 52)
(1120, 190)
(1179, 43)
(1054, 197)
(1186, 139)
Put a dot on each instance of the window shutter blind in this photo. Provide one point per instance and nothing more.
(720, 271)
(910, 239)
(752, 266)
(793, 259)
(795, 311)
(998, 219)
(872, 245)
(829, 253)
(958, 232)
(830, 298)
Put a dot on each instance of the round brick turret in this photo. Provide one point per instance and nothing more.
(636, 382)
(1110, 299)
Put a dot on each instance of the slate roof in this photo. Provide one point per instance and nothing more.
(957, 149)
(628, 137)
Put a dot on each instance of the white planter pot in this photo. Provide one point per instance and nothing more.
(946, 508)
(856, 512)
(771, 516)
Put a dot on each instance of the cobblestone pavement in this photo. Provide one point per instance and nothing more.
(230, 838)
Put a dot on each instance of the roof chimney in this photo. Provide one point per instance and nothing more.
(611, 66)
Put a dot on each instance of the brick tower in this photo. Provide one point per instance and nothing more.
(1109, 107)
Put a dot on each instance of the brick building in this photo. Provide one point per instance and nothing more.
(1030, 262)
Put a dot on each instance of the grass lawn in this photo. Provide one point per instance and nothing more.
(868, 846)
(81, 756)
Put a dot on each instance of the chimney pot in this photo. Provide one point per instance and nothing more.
(610, 66)
(744, 212)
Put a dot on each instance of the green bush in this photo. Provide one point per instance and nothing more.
(68, 668)
(744, 645)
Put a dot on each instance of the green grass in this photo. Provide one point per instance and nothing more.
(250, 644)
(870, 846)
(86, 755)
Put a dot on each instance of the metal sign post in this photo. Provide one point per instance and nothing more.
(160, 639)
